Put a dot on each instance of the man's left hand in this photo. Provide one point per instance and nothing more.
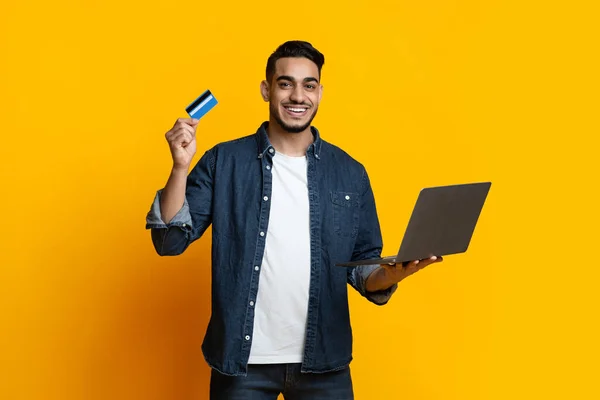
(397, 272)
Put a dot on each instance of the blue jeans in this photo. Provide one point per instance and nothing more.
(266, 382)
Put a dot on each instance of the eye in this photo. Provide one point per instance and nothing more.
(284, 84)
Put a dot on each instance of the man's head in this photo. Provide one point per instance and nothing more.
(292, 85)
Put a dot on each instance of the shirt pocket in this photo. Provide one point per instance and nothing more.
(345, 213)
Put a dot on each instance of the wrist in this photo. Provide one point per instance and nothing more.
(179, 170)
(379, 280)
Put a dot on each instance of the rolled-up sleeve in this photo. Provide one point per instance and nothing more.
(154, 219)
(192, 219)
(172, 238)
(357, 277)
(368, 245)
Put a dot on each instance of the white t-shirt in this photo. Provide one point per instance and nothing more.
(282, 301)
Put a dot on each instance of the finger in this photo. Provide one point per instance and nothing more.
(171, 135)
(412, 266)
(181, 125)
(181, 129)
(182, 139)
(174, 131)
(429, 261)
(187, 121)
(189, 138)
(188, 128)
(177, 140)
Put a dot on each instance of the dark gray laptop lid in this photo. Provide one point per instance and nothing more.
(443, 220)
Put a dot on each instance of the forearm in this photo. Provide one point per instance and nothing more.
(378, 280)
(173, 194)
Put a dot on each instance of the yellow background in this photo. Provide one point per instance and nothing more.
(423, 93)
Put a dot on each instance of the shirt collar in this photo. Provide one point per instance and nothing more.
(264, 145)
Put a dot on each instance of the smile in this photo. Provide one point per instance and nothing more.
(296, 110)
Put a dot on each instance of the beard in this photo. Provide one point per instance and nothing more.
(287, 127)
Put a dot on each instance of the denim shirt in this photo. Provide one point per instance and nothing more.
(230, 188)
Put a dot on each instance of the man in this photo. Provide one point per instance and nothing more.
(284, 205)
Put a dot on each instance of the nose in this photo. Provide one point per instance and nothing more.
(297, 95)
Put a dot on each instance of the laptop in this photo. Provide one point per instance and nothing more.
(442, 223)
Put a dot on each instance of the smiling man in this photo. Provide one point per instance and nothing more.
(284, 205)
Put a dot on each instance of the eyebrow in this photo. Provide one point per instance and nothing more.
(289, 78)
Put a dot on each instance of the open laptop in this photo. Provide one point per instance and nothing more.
(442, 223)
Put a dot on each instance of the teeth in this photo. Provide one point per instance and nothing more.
(298, 110)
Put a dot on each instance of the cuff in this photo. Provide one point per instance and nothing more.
(182, 219)
(379, 297)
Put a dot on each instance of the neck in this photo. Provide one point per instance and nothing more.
(290, 144)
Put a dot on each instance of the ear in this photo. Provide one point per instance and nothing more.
(264, 90)
(320, 92)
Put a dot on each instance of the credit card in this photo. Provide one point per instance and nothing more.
(203, 104)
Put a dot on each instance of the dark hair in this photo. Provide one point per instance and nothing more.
(294, 48)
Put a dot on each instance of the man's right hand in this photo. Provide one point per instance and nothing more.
(182, 142)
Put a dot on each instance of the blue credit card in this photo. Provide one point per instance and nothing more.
(203, 104)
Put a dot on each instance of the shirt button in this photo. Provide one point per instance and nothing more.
(262, 234)
(256, 268)
(347, 197)
(271, 151)
(247, 337)
(184, 225)
(252, 303)
(268, 167)
(264, 198)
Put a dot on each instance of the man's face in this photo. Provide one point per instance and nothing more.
(294, 93)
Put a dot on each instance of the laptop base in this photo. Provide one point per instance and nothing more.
(370, 261)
